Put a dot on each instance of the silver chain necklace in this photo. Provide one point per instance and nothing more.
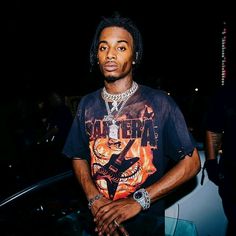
(120, 96)
(117, 99)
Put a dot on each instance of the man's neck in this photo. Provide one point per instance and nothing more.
(118, 86)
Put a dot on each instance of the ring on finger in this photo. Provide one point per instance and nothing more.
(116, 223)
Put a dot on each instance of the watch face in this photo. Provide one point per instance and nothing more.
(138, 195)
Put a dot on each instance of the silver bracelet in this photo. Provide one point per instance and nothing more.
(92, 200)
(143, 198)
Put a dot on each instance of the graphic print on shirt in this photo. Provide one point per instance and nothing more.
(113, 170)
(119, 166)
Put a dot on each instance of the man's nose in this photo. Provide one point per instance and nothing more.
(111, 54)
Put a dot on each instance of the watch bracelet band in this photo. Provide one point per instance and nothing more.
(147, 200)
(92, 200)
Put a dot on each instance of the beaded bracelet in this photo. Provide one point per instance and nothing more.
(92, 200)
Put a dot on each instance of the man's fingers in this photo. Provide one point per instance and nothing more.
(123, 231)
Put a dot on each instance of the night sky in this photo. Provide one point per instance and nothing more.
(48, 44)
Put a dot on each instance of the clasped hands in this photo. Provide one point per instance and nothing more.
(109, 215)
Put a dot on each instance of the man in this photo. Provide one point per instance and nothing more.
(220, 133)
(220, 141)
(124, 136)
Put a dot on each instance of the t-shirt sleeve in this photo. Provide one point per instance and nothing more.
(178, 140)
(77, 143)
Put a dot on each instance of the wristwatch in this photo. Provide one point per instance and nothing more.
(143, 198)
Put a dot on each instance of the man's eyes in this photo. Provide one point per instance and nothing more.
(102, 48)
(120, 48)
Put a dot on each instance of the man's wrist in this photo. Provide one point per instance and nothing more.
(92, 200)
(143, 198)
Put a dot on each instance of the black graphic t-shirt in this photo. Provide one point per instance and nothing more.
(150, 130)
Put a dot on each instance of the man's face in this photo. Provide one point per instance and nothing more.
(115, 53)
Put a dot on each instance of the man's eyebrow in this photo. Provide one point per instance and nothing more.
(119, 41)
(122, 41)
(102, 41)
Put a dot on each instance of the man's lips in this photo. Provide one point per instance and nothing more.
(110, 66)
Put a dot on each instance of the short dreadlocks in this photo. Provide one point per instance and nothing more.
(122, 22)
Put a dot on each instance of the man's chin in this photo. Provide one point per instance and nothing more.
(111, 79)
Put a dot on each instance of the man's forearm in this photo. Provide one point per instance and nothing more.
(82, 172)
(179, 174)
(213, 143)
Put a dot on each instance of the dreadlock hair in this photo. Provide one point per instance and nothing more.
(124, 23)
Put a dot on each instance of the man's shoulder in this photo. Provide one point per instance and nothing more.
(155, 94)
(153, 91)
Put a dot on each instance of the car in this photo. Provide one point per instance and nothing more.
(197, 202)
(42, 208)
(56, 206)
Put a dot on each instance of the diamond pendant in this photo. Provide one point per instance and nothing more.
(114, 106)
(114, 103)
(113, 130)
(108, 117)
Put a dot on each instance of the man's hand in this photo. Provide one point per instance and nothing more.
(212, 168)
(110, 216)
(98, 204)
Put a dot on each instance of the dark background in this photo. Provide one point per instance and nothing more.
(47, 48)
(48, 43)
